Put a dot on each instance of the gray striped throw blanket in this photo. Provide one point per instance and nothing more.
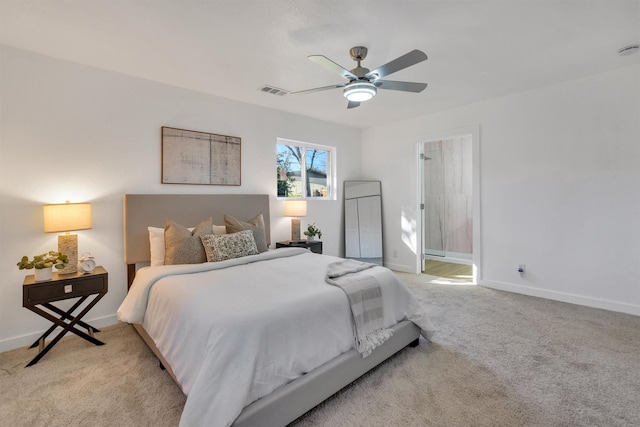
(365, 299)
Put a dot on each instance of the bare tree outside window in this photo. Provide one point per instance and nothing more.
(310, 181)
(285, 175)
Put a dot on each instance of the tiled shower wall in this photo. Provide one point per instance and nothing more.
(448, 198)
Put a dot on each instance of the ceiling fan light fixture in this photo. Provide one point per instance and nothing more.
(360, 91)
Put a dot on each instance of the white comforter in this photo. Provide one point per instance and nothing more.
(236, 330)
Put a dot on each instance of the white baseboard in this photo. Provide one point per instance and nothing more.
(27, 340)
(564, 297)
(400, 267)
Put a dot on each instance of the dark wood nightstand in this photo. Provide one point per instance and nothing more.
(63, 287)
(314, 245)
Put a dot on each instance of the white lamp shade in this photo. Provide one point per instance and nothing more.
(295, 208)
(67, 217)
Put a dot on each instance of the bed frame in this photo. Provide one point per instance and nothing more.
(291, 400)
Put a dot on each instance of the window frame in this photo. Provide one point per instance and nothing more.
(331, 168)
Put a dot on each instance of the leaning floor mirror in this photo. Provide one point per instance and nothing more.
(363, 221)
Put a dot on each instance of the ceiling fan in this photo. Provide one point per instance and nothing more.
(364, 84)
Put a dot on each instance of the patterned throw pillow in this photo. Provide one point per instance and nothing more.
(255, 224)
(228, 246)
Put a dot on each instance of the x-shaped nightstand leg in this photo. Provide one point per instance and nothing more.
(66, 326)
(63, 315)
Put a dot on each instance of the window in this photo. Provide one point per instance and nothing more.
(304, 170)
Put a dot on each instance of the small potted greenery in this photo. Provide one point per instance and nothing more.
(43, 264)
(313, 231)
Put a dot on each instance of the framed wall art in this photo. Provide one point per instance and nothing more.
(191, 157)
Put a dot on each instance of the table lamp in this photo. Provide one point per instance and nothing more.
(67, 217)
(295, 209)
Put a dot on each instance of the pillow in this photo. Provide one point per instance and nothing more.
(219, 229)
(156, 245)
(156, 242)
(256, 224)
(182, 246)
(228, 246)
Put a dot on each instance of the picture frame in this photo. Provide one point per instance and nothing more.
(202, 158)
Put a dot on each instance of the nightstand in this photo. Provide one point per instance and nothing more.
(39, 295)
(314, 245)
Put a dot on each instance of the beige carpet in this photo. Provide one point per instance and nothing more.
(79, 384)
(498, 359)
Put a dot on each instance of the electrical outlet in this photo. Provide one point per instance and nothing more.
(395, 254)
(521, 268)
(68, 289)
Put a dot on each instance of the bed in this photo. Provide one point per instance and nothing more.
(286, 344)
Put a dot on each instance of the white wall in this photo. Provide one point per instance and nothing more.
(559, 188)
(72, 132)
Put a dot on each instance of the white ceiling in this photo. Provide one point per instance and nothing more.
(477, 49)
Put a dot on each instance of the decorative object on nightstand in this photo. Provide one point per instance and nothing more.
(86, 263)
(43, 264)
(314, 246)
(67, 217)
(312, 232)
(295, 209)
(37, 296)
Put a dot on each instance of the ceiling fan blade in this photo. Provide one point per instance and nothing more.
(352, 104)
(332, 66)
(400, 63)
(403, 86)
(317, 89)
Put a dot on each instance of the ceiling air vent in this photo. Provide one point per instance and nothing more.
(273, 90)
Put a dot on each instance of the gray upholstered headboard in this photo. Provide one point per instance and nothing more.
(151, 210)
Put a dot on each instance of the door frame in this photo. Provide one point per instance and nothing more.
(474, 132)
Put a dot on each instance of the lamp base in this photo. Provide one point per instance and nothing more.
(68, 245)
(295, 229)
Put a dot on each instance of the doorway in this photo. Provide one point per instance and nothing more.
(447, 207)
(441, 272)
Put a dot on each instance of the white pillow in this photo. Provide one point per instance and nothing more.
(156, 242)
